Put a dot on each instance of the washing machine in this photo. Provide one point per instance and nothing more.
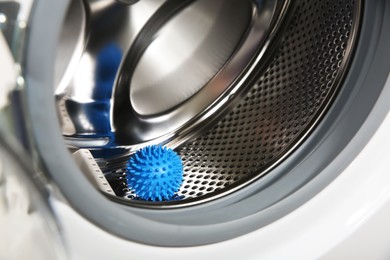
(278, 110)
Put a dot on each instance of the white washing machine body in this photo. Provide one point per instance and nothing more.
(328, 197)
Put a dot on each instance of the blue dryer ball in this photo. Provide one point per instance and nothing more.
(155, 173)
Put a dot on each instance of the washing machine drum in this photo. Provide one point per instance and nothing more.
(252, 96)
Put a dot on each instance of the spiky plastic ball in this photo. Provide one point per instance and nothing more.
(155, 173)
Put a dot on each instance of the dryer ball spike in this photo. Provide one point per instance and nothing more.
(155, 173)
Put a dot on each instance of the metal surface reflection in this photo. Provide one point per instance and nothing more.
(93, 117)
(94, 36)
(179, 81)
(151, 72)
(187, 52)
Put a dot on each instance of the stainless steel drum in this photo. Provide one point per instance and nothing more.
(234, 86)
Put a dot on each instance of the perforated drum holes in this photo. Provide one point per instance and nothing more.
(284, 104)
